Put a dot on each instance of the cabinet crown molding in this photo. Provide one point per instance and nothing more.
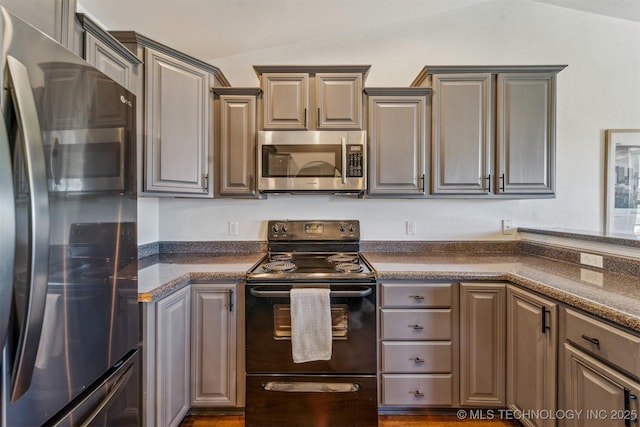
(491, 69)
(136, 38)
(98, 32)
(313, 69)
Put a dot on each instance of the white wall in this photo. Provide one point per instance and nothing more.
(600, 89)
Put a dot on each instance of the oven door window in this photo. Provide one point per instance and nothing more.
(302, 161)
(282, 321)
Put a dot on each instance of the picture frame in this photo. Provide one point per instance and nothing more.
(622, 181)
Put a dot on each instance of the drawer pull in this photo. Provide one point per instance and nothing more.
(630, 418)
(416, 327)
(417, 393)
(595, 341)
(417, 297)
(416, 360)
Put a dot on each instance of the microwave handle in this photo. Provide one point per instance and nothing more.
(344, 160)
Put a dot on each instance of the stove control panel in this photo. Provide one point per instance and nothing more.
(299, 230)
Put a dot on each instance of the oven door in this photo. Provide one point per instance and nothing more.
(268, 329)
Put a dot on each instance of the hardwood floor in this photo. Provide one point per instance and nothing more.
(435, 419)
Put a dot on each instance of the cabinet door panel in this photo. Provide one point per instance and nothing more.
(397, 145)
(214, 351)
(526, 134)
(597, 392)
(177, 144)
(462, 134)
(172, 358)
(531, 354)
(237, 145)
(482, 344)
(286, 99)
(107, 61)
(339, 99)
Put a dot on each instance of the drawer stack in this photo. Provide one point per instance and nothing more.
(417, 344)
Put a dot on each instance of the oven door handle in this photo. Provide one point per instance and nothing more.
(359, 293)
(310, 387)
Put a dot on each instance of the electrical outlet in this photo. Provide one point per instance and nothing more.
(233, 228)
(411, 227)
(507, 226)
(591, 259)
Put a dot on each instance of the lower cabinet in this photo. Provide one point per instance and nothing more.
(532, 334)
(418, 346)
(482, 344)
(190, 349)
(213, 345)
(166, 350)
(600, 372)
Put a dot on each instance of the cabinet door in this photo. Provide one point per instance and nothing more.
(397, 145)
(597, 394)
(339, 99)
(172, 358)
(482, 344)
(286, 100)
(526, 133)
(531, 354)
(462, 134)
(213, 342)
(107, 60)
(177, 126)
(237, 145)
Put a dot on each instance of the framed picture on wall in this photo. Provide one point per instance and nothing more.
(622, 181)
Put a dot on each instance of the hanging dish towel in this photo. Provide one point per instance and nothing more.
(310, 324)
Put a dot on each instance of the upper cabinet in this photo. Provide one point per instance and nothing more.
(107, 54)
(397, 133)
(235, 141)
(492, 129)
(176, 124)
(312, 97)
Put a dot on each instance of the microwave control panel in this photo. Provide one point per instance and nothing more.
(355, 161)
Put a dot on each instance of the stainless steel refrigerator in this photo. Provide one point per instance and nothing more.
(69, 316)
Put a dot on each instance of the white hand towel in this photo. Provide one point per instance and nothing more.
(310, 324)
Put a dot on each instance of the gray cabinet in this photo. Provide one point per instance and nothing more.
(493, 129)
(166, 377)
(53, 17)
(532, 331)
(235, 136)
(418, 344)
(213, 345)
(176, 124)
(108, 55)
(482, 344)
(600, 375)
(311, 97)
(397, 129)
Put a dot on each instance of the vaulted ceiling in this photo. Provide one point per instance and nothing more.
(210, 29)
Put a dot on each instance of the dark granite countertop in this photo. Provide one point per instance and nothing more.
(612, 296)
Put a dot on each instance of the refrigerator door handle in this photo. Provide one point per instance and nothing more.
(7, 233)
(27, 116)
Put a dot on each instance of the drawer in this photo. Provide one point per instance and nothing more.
(417, 294)
(612, 344)
(418, 324)
(417, 390)
(417, 357)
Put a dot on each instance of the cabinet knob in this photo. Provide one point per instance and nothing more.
(417, 297)
(417, 393)
(416, 360)
(416, 327)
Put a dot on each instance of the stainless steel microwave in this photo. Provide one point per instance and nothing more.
(312, 161)
(87, 160)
